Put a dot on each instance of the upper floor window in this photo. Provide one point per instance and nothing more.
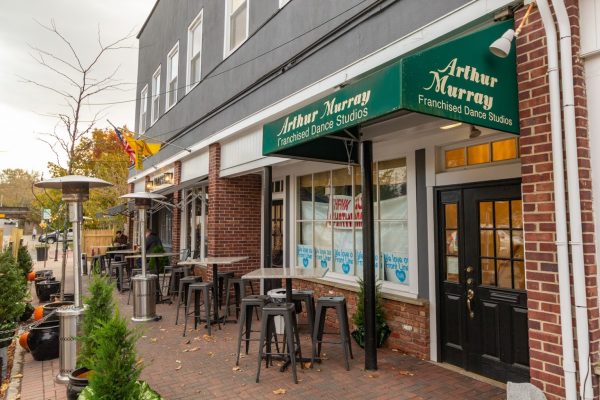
(155, 111)
(172, 75)
(194, 51)
(236, 24)
(143, 109)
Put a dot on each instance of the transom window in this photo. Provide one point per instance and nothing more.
(194, 51)
(154, 111)
(236, 24)
(329, 221)
(172, 75)
(143, 109)
(481, 153)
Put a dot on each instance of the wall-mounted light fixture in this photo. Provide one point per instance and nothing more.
(501, 46)
(475, 132)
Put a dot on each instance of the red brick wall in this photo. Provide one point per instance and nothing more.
(545, 340)
(234, 216)
(409, 322)
(176, 232)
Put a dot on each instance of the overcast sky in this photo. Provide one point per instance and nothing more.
(22, 105)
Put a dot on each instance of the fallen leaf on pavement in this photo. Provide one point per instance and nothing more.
(280, 391)
(17, 376)
(395, 350)
(406, 373)
(178, 361)
(194, 349)
(178, 368)
(211, 354)
(154, 340)
(186, 350)
(236, 369)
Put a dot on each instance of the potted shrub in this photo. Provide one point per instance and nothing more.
(99, 308)
(24, 260)
(12, 301)
(41, 252)
(116, 370)
(157, 265)
(382, 329)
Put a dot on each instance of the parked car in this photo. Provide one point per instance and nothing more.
(56, 236)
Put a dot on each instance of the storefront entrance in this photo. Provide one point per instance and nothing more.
(483, 303)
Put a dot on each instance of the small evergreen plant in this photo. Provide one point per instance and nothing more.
(115, 367)
(13, 289)
(100, 308)
(359, 316)
(157, 265)
(24, 260)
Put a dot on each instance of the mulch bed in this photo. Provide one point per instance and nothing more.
(11, 355)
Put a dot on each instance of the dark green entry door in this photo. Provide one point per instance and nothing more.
(483, 303)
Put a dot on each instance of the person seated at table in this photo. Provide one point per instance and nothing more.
(121, 239)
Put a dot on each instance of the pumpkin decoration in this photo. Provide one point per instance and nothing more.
(31, 276)
(38, 313)
(23, 340)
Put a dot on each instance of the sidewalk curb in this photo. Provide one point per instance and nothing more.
(16, 375)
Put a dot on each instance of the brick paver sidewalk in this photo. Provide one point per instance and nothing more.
(202, 367)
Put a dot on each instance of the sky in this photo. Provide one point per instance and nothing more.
(25, 109)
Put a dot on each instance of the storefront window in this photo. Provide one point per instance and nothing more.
(329, 227)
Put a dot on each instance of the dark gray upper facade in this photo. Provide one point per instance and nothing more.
(319, 36)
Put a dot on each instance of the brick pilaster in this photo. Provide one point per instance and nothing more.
(234, 216)
(545, 341)
(176, 233)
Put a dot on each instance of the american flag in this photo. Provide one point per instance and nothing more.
(125, 145)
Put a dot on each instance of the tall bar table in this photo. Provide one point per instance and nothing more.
(215, 262)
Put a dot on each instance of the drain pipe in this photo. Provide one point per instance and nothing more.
(579, 287)
(564, 284)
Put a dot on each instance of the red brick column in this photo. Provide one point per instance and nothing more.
(234, 216)
(545, 341)
(176, 229)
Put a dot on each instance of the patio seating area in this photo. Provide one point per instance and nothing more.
(202, 366)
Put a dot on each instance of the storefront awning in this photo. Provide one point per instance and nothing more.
(458, 80)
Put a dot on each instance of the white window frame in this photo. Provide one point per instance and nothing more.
(283, 3)
(197, 23)
(170, 55)
(226, 50)
(154, 114)
(143, 109)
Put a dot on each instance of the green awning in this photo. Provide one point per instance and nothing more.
(458, 80)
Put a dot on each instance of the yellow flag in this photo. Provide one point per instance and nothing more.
(142, 149)
(150, 149)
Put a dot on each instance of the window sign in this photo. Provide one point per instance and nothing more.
(305, 255)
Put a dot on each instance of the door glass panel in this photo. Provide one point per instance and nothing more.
(451, 247)
(517, 244)
(519, 273)
(487, 243)
(516, 213)
(486, 214)
(503, 244)
(452, 269)
(502, 216)
(504, 274)
(451, 242)
(451, 214)
(488, 272)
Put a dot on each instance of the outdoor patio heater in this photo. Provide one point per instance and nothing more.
(75, 190)
(144, 286)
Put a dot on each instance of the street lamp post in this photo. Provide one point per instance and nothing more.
(75, 190)
(144, 286)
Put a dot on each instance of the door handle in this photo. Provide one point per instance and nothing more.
(470, 296)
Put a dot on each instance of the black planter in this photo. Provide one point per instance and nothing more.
(7, 333)
(43, 341)
(77, 383)
(41, 253)
(45, 288)
(66, 297)
(383, 332)
(27, 313)
(48, 308)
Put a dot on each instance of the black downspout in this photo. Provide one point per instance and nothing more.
(267, 234)
(366, 169)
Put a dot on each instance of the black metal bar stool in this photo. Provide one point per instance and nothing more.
(339, 304)
(239, 286)
(184, 283)
(223, 278)
(196, 289)
(306, 297)
(291, 337)
(249, 303)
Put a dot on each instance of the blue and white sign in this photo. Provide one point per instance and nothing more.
(344, 261)
(324, 258)
(395, 268)
(305, 255)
